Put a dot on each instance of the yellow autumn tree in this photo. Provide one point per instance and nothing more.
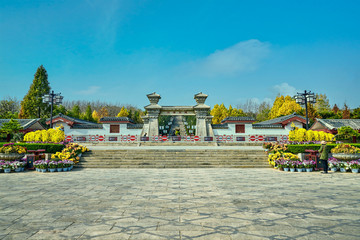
(220, 112)
(284, 106)
(95, 116)
(103, 112)
(123, 112)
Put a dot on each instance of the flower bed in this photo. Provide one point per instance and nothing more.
(49, 147)
(72, 152)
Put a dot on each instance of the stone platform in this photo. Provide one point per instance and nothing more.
(179, 204)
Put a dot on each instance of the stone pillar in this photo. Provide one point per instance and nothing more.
(153, 122)
(202, 116)
(152, 118)
(201, 128)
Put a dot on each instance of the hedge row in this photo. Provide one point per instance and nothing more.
(49, 147)
(295, 149)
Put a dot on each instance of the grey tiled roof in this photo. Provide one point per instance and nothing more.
(220, 126)
(87, 126)
(338, 123)
(238, 119)
(135, 126)
(281, 119)
(25, 123)
(76, 120)
(259, 125)
(116, 119)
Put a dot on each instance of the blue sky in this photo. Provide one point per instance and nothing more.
(119, 51)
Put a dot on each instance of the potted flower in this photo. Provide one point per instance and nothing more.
(6, 167)
(43, 166)
(300, 166)
(16, 166)
(59, 166)
(285, 164)
(52, 166)
(309, 165)
(333, 164)
(346, 152)
(292, 165)
(354, 166)
(343, 166)
(37, 165)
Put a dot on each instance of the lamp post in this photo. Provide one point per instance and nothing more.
(303, 99)
(52, 98)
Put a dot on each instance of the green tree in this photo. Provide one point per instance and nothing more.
(88, 114)
(263, 112)
(9, 108)
(32, 105)
(322, 103)
(356, 113)
(75, 111)
(59, 109)
(10, 128)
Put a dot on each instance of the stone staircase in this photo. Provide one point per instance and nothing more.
(174, 158)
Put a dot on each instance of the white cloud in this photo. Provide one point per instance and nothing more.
(90, 90)
(285, 89)
(241, 57)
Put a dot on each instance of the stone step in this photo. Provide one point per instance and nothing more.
(173, 158)
(173, 166)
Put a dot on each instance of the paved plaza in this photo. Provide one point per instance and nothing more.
(179, 204)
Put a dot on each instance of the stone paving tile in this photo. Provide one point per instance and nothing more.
(179, 204)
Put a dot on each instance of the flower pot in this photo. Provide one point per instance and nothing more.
(346, 156)
(59, 169)
(342, 169)
(43, 170)
(309, 169)
(65, 169)
(355, 170)
(334, 169)
(299, 169)
(52, 169)
(7, 170)
(292, 169)
(286, 169)
(17, 170)
(11, 156)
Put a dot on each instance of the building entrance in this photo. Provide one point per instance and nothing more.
(200, 111)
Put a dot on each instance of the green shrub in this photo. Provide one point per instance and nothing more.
(49, 147)
(300, 148)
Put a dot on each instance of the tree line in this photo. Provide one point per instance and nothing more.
(32, 106)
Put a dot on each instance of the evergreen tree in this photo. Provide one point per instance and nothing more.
(88, 114)
(59, 109)
(75, 111)
(10, 127)
(263, 112)
(32, 105)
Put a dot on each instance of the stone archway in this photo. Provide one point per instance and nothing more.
(200, 110)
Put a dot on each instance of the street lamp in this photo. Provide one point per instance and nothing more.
(53, 98)
(303, 99)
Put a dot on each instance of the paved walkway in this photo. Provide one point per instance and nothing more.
(179, 204)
